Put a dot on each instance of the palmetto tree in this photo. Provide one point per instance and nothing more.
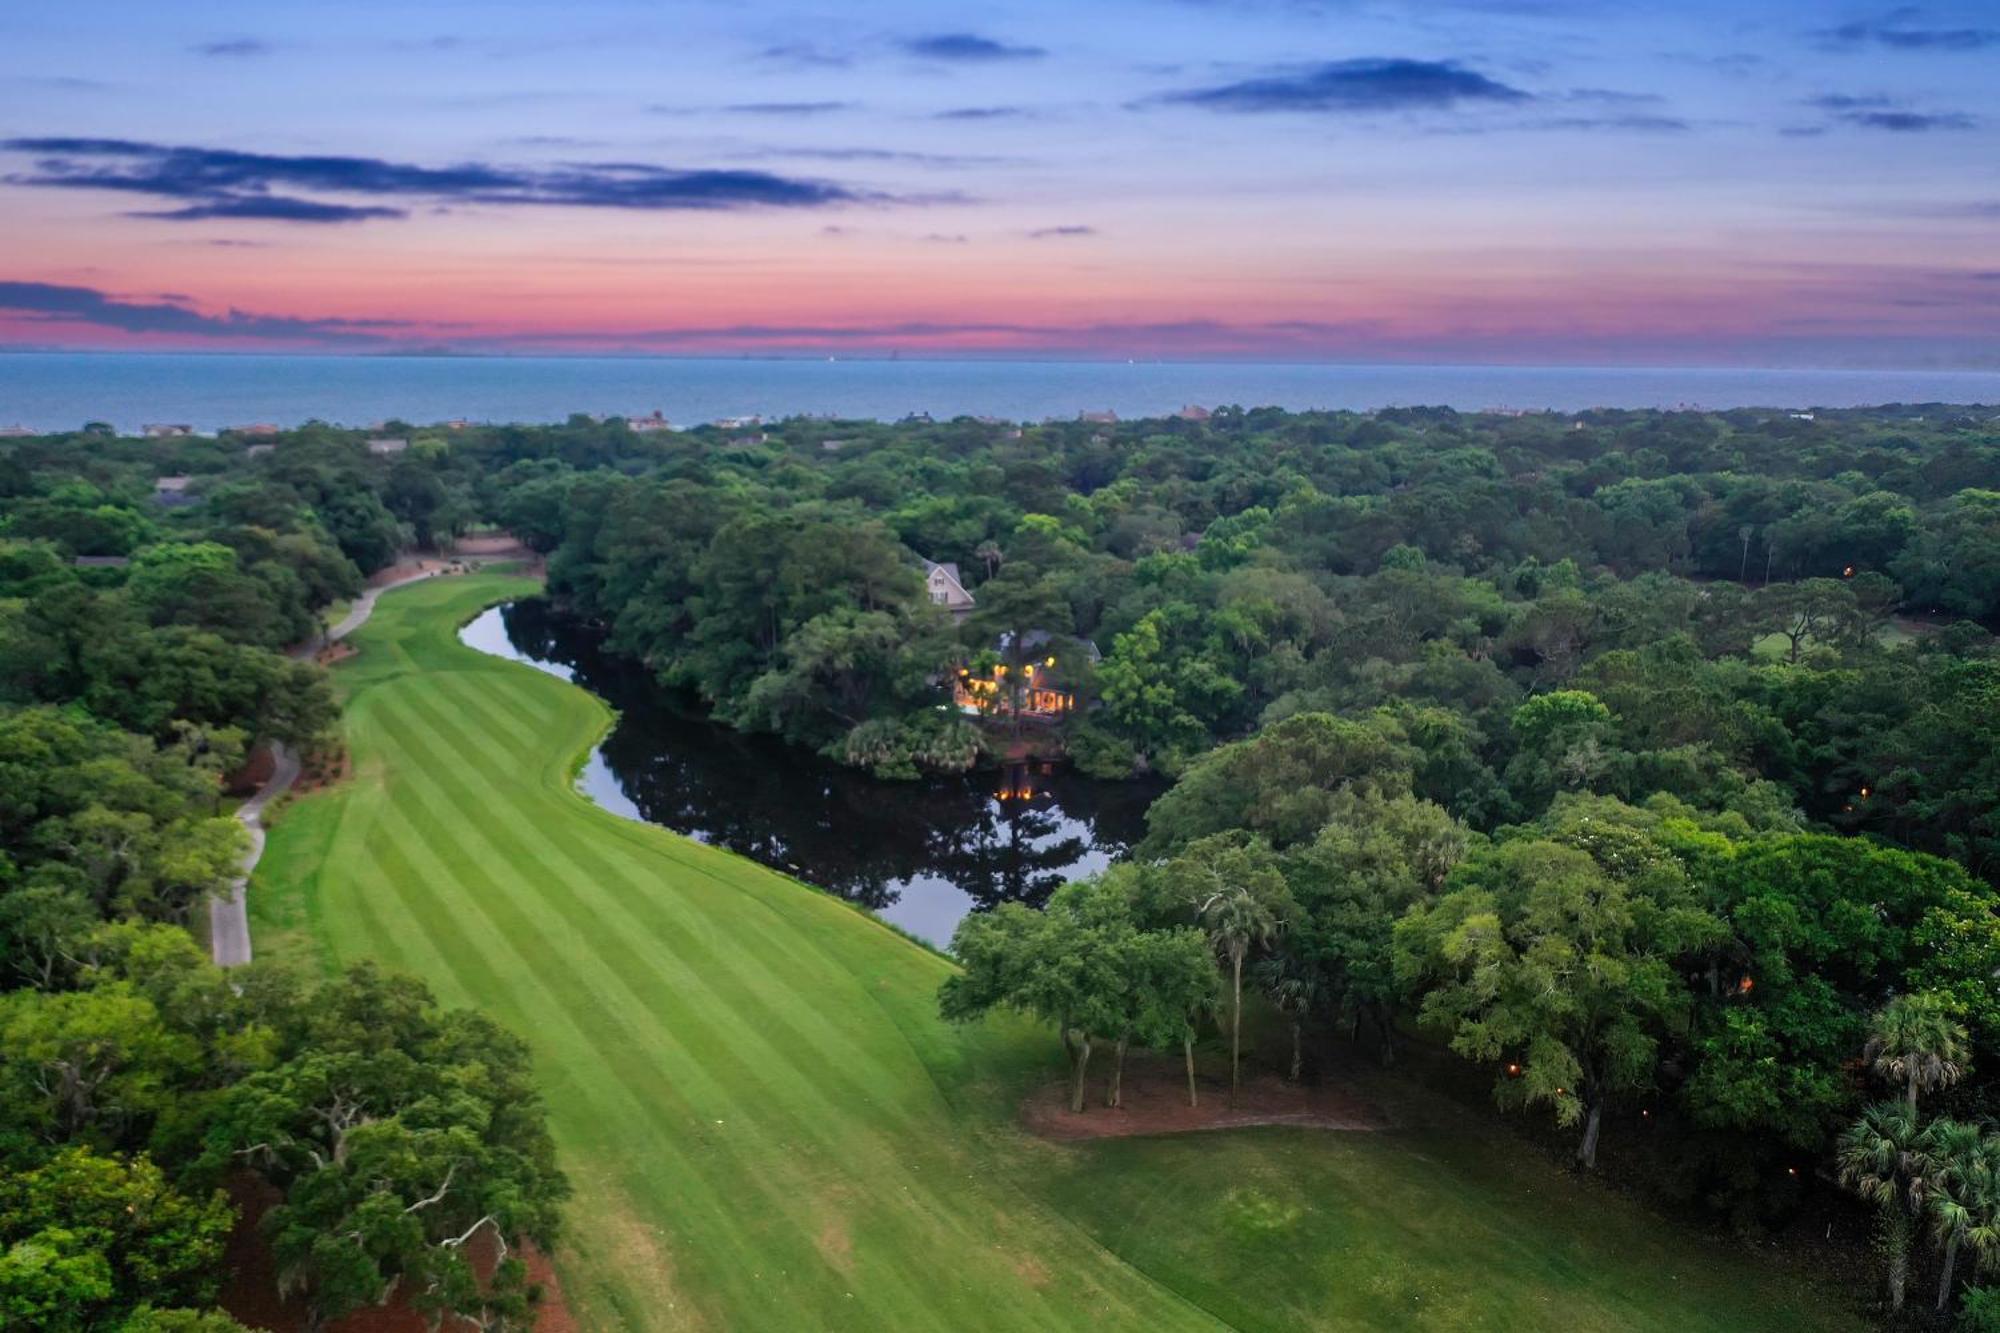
(1880, 1158)
(1296, 989)
(1917, 1041)
(990, 554)
(1238, 919)
(1958, 1185)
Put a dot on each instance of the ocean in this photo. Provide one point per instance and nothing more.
(61, 391)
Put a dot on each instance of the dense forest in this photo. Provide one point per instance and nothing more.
(145, 1094)
(1646, 760)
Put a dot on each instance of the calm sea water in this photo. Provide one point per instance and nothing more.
(60, 391)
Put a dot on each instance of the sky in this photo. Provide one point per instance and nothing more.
(1757, 183)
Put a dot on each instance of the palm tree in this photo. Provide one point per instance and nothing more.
(1294, 987)
(1879, 1159)
(1238, 919)
(1958, 1184)
(989, 551)
(1916, 1040)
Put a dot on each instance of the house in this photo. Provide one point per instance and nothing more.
(1028, 683)
(458, 423)
(648, 425)
(1194, 412)
(1104, 418)
(387, 445)
(172, 491)
(165, 431)
(736, 423)
(257, 428)
(942, 583)
(750, 441)
(834, 446)
(15, 432)
(259, 450)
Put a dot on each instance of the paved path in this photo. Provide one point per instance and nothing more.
(229, 917)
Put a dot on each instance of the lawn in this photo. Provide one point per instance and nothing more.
(768, 1127)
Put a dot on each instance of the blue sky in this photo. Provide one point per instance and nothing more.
(1759, 183)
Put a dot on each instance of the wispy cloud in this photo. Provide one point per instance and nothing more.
(235, 47)
(46, 302)
(1354, 86)
(1904, 29)
(1910, 122)
(909, 157)
(805, 55)
(788, 108)
(982, 113)
(968, 47)
(1873, 111)
(1068, 229)
(225, 183)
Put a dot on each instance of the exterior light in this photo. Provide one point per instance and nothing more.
(1050, 662)
(1847, 573)
(1864, 793)
(1745, 986)
(1513, 1071)
(1791, 1171)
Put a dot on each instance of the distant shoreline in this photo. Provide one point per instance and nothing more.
(59, 391)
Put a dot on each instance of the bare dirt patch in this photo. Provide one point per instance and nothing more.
(257, 768)
(251, 1296)
(1154, 1101)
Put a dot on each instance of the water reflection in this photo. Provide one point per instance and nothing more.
(922, 854)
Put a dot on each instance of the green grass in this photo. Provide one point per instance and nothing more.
(768, 1126)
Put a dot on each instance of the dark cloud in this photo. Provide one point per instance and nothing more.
(1070, 229)
(234, 46)
(224, 183)
(968, 47)
(1901, 29)
(1875, 112)
(55, 304)
(789, 108)
(1909, 122)
(981, 113)
(271, 208)
(1354, 86)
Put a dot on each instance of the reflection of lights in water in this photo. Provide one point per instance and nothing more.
(1017, 785)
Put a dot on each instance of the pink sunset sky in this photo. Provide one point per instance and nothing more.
(1757, 183)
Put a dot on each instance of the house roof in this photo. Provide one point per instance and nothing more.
(171, 484)
(955, 591)
(1035, 640)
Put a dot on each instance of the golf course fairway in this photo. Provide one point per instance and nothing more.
(768, 1127)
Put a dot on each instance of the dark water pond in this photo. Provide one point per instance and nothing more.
(921, 854)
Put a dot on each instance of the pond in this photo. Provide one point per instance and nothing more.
(919, 854)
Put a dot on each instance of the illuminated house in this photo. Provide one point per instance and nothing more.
(1028, 683)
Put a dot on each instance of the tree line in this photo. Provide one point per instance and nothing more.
(145, 1093)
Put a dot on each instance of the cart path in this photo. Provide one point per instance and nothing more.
(229, 916)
